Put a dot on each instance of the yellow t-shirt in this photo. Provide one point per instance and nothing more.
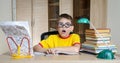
(54, 41)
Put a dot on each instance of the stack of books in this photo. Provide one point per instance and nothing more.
(95, 42)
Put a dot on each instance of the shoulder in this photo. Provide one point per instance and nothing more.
(52, 36)
(74, 34)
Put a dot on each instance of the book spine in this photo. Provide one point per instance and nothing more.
(97, 41)
(98, 44)
(97, 35)
(98, 38)
(94, 46)
(107, 30)
(97, 50)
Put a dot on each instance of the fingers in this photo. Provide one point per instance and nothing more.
(51, 51)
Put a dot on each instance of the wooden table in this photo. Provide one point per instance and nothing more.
(82, 58)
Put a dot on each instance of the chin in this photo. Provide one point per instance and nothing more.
(64, 35)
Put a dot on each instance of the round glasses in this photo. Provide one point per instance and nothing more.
(66, 25)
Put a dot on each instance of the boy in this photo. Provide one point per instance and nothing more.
(64, 41)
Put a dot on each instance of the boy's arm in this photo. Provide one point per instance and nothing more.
(38, 48)
(74, 48)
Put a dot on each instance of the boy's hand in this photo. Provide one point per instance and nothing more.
(51, 51)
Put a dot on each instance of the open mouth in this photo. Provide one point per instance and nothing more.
(63, 31)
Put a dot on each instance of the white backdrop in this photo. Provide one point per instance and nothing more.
(113, 21)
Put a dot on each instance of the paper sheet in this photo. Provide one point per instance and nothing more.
(17, 30)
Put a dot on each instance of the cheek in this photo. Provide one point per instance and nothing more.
(59, 29)
(68, 30)
(71, 28)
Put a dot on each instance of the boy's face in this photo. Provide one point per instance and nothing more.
(64, 27)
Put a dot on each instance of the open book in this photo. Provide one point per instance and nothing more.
(67, 53)
(57, 53)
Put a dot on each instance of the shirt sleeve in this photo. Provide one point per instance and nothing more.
(76, 39)
(46, 42)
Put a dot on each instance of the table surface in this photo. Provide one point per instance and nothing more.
(82, 58)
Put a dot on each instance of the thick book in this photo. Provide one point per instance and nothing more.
(97, 35)
(96, 43)
(90, 46)
(98, 38)
(98, 50)
(99, 41)
(100, 30)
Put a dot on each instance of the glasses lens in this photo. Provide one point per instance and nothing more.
(60, 24)
(67, 25)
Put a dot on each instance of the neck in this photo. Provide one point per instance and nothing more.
(64, 36)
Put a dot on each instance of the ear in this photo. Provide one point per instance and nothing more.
(72, 28)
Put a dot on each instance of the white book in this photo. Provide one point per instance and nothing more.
(57, 53)
(98, 41)
(67, 52)
(105, 38)
(97, 51)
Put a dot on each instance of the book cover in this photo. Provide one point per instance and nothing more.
(100, 30)
(90, 46)
(97, 50)
(98, 35)
(98, 38)
(98, 41)
(97, 44)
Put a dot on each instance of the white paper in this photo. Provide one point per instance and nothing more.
(18, 30)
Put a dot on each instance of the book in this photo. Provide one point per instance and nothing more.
(96, 51)
(98, 35)
(96, 43)
(98, 38)
(90, 46)
(67, 52)
(100, 30)
(56, 53)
